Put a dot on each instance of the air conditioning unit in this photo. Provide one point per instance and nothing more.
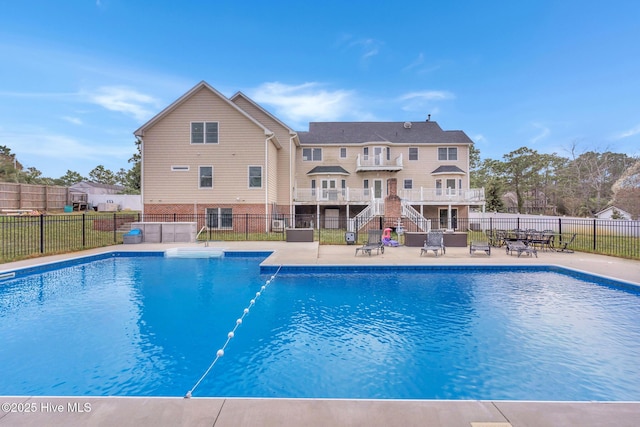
(277, 225)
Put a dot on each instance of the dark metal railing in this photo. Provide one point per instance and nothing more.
(28, 236)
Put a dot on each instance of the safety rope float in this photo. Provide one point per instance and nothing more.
(232, 333)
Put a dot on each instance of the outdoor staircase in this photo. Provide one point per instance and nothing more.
(373, 210)
(414, 216)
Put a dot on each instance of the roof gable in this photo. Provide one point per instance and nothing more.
(241, 96)
(202, 85)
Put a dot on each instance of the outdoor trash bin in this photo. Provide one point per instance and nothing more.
(134, 236)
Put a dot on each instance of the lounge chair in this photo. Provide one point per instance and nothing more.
(480, 246)
(434, 242)
(564, 245)
(374, 241)
(520, 247)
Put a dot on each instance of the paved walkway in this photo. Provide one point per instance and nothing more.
(66, 411)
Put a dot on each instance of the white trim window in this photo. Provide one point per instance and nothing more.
(205, 177)
(221, 218)
(312, 154)
(413, 153)
(255, 176)
(204, 132)
(408, 184)
(447, 153)
(343, 152)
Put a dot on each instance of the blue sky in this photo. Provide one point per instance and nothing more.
(78, 77)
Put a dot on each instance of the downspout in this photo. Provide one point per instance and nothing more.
(291, 163)
(266, 181)
(141, 172)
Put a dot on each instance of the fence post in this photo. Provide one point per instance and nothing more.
(246, 226)
(41, 233)
(594, 234)
(84, 238)
(115, 236)
(560, 229)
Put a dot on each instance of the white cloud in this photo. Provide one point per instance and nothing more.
(428, 95)
(628, 133)
(419, 67)
(305, 102)
(72, 120)
(479, 138)
(124, 100)
(367, 46)
(425, 100)
(544, 132)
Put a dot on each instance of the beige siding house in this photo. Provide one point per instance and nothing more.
(208, 154)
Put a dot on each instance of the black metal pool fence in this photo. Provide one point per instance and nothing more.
(28, 236)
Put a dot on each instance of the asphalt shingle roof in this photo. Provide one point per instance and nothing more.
(448, 169)
(327, 169)
(393, 132)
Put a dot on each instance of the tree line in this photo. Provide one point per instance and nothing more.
(524, 181)
(11, 170)
(581, 184)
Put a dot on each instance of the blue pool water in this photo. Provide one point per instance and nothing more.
(150, 326)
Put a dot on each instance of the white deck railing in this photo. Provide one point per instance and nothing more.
(363, 195)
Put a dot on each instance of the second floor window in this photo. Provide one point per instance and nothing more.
(343, 152)
(413, 153)
(204, 132)
(312, 154)
(447, 153)
(408, 184)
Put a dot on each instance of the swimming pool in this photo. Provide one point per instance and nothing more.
(150, 326)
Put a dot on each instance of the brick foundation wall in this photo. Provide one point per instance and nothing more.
(246, 217)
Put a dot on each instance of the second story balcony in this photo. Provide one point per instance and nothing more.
(378, 162)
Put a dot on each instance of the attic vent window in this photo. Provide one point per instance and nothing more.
(407, 125)
(179, 168)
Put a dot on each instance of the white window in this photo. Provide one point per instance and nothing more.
(313, 187)
(365, 186)
(255, 176)
(219, 218)
(413, 153)
(180, 168)
(205, 175)
(408, 184)
(312, 154)
(204, 132)
(447, 153)
(343, 152)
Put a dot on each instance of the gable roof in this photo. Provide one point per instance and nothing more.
(622, 212)
(239, 94)
(79, 186)
(428, 132)
(140, 131)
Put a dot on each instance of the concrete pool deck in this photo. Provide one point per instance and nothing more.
(142, 411)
